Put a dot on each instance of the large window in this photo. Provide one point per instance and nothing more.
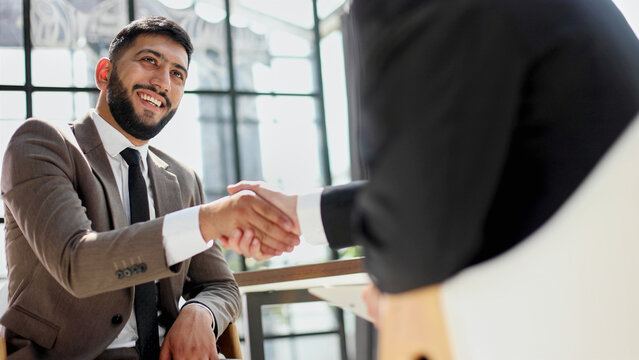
(254, 106)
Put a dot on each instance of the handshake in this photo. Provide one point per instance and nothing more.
(255, 220)
(260, 222)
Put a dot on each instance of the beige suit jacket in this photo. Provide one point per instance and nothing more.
(68, 242)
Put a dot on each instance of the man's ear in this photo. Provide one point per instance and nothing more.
(103, 73)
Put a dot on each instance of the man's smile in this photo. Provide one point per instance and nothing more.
(150, 100)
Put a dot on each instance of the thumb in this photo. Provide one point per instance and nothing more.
(243, 185)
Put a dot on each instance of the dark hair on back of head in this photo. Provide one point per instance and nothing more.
(155, 25)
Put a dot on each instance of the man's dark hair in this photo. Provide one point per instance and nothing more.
(155, 25)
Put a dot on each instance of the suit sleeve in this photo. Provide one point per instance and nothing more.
(210, 282)
(336, 210)
(41, 183)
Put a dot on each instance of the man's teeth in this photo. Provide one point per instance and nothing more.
(150, 99)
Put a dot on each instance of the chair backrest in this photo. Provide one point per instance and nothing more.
(412, 326)
(569, 291)
(229, 343)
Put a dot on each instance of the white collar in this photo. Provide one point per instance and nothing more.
(114, 141)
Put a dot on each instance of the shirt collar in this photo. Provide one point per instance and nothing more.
(114, 141)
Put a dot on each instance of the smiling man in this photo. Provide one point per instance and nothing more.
(105, 234)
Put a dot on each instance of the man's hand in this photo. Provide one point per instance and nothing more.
(190, 337)
(285, 202)
(241, 240)
(372, 297)
(249, 212)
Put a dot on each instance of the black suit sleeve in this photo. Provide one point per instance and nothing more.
(337, 209)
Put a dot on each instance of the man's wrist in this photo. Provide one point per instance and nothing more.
(202, 306)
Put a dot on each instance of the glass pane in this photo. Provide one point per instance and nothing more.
(298, 318)
(336, 107)
(294, 12)
(319, 347)
(279, 143)
(11, 66)
(62, 107)
(200, 136)
(204, 23)
(11, 43)
(328, 7)
(273, 46)
(69, 37)
(280, 134)
(13, 105)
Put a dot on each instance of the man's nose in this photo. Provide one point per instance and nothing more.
(162, 80)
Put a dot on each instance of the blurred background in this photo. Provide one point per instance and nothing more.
(266, 98)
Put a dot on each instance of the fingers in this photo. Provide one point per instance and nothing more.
(244, 185)
(275, 215)
(244, 243)
(270, 225)
(286, 204)
(246, 210)
(274, 237)
(371, 296)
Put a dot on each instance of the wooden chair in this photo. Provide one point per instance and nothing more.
(412, 326)
(3, 349)
(569, 291)
(229, 343)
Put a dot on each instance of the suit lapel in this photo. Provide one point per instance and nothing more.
(89, 140)
(165, 186)
(167, 198)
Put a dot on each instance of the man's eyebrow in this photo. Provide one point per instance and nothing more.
(162, 57)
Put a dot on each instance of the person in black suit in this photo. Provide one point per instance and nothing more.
(480, 118)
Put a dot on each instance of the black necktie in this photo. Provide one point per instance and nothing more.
(145, 303)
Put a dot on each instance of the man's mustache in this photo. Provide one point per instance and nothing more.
(152, 88)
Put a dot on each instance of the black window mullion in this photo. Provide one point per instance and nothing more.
(232, 92)
(233, 96)
(321, 118)
(26, 31)
(131, 10)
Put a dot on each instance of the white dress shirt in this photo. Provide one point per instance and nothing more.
(181, 235)
(309, 214)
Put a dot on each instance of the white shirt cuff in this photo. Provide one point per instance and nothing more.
(309, 214)
(181, 235)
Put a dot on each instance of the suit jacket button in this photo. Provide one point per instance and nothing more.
(142, 267)
(116, 319)
(127, 272)
(119, 274)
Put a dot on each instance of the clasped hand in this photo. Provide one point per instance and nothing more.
(281, 210)
(249, 224)
(248, 242)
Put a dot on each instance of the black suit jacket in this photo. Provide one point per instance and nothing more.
(480, 118)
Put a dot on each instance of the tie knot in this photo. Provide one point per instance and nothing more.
(131, 156)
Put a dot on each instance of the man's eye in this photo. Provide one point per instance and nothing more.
(178, 75)
(149, 60)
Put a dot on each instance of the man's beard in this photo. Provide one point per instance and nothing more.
(123, 113)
